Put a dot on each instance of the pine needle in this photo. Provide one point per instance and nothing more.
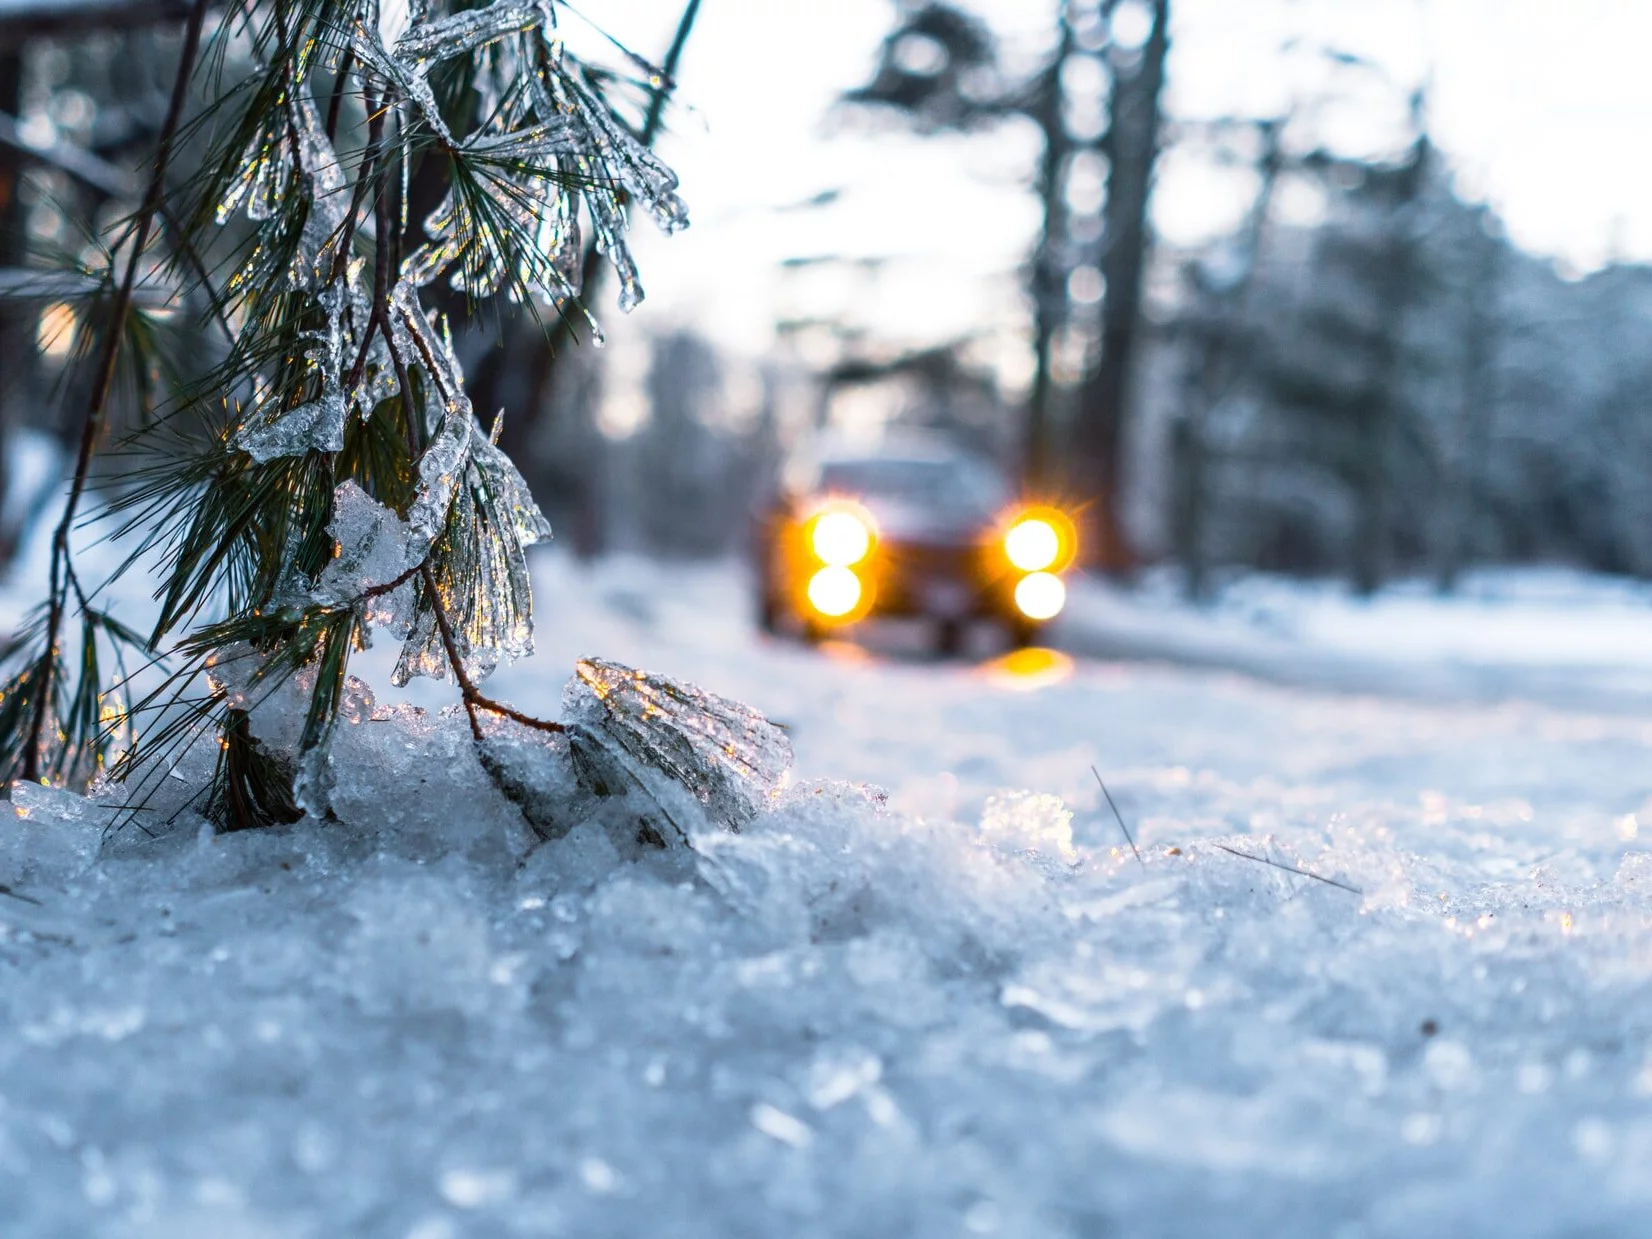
(1119, 817)
(19, 896)
(1304, 873)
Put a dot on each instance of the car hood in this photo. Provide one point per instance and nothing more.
(906, 522)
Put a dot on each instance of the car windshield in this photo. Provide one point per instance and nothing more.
(957, 486)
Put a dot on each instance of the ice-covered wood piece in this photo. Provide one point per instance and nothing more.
(672, 736)
(663, 759)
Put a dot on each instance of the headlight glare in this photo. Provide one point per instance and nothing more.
(834, 591)
(840, 538)
(1032, 544)
(1040, 596)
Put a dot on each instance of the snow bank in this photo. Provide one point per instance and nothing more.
(841, 1021)
(961, 1009)
(1538, 633)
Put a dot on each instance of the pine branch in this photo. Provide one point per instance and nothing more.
(473, 698)
(328, 474)
(590, 267)
(92, 427)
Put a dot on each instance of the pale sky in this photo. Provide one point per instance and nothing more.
(1543, 109)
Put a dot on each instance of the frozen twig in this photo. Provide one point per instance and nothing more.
(473, 697)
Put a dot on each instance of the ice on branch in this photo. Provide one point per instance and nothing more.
(291, 146)
(512, 224)
(357, 397)
(371, 547)
(317, 426)
(459, 34)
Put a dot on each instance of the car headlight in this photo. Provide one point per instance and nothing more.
(840, 538)
(834, 591)
(1032, 544)
(1040, 596)
(1039, 538)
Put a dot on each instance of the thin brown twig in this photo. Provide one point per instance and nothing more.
(467, 690)
(97, 406)
(1303, 873)
(473, 697)
(393, 584)
(527, 720)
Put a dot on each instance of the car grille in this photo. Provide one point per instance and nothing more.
(919, 562)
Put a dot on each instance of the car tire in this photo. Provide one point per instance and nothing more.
(1023, 634)
(768, 613)
(949, 637)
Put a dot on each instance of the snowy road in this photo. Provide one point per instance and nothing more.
(943, 1016)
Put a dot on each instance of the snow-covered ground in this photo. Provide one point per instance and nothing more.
(1543, 633)
(964, 1009)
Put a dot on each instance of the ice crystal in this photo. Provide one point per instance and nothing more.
(651, 760)
(461, 33)
(486, 586)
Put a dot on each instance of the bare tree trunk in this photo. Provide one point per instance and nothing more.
(1049, 289)
(1131, 145)
(1461, 493)
(1379, 418)
(16, 349)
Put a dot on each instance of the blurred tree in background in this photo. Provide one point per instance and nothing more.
(1385, 385)
(1096, 104)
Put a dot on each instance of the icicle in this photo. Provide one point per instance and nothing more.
(508, 488)
(628, 161)
(322, 182)
(409, 80)
(461, 33)
(493, 620)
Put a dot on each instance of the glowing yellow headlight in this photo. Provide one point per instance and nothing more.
(834, 591)
(840, 538)
(1032, 544)
(1040, 596)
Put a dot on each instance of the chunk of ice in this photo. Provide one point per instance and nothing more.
(371, 546)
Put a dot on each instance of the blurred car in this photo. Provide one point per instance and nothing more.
(914, 528)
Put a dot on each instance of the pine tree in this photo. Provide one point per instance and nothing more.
(326, 475)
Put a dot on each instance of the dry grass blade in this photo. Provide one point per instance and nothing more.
(1303, 873)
